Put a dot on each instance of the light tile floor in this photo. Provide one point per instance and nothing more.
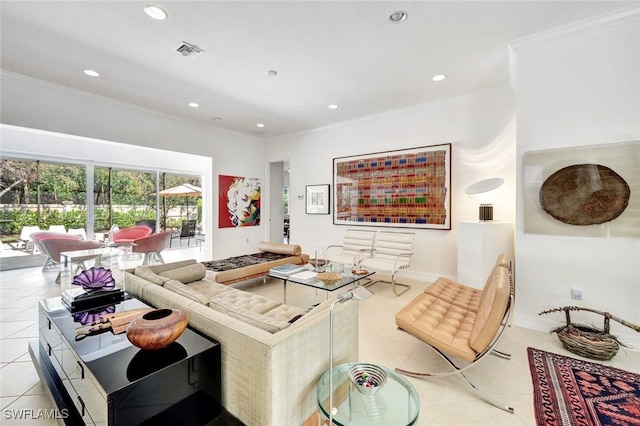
(444, 401)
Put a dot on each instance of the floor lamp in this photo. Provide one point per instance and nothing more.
(358, 293)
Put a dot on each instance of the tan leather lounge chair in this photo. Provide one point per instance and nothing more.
(462, 322)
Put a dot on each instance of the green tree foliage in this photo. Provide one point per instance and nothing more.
(133, 192)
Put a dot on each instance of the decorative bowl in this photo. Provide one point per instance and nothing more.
(367, 378)
(95, 279)
(157, 329)
(318, 262)
(329, 277)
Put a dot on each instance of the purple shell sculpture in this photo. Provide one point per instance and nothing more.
(95, 279)
(88, 317)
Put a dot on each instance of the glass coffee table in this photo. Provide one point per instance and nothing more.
(347, 279)
(396, 403)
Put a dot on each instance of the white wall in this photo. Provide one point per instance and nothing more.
(577, 89)
(36, 104)
(481, 128)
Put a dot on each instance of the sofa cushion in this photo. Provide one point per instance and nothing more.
(186, 291)
(145, 273)
(280, 248)
(285, 313)
(186, 274)
(209, 287)
(261, 321)
(231, 300)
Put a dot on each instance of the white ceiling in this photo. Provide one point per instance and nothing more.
(325, 52)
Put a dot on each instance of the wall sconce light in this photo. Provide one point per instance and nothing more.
(485, 192)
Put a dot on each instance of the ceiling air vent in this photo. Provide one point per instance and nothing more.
(188, 50)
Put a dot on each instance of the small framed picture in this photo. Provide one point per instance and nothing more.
(317, 200)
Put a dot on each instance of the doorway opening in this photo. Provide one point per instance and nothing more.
(279, 218)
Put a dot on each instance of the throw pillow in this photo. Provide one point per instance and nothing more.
(145, 273)
(186, 274)
(184, 290)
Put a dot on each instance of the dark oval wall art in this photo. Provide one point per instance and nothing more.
(584, 194)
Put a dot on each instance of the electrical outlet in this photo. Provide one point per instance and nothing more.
(576, 293)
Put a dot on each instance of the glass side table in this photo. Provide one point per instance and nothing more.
(396, 403)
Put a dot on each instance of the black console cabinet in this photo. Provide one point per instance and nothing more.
(103, 379)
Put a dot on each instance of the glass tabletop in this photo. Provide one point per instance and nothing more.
(347, 278)
(396, 403)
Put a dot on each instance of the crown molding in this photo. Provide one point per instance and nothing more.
(587, 25)
(596, 23)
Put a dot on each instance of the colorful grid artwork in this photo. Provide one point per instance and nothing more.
(408, 188)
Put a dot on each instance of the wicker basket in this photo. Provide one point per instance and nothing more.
(588, 341)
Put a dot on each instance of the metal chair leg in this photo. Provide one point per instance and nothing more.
(460, 372)
(501, 354)
(393, 283)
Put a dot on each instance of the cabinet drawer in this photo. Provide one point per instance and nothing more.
(49, 334)
(92, 403)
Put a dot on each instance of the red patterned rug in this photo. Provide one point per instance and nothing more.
(568, 391)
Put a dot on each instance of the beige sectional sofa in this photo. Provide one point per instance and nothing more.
(272, 354)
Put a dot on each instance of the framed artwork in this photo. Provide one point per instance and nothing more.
(317, 199)
(409, 188)
(588, 191)
(238, 201)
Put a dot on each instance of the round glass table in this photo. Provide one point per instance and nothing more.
(396, 403)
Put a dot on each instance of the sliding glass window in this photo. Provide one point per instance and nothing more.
(43, 195)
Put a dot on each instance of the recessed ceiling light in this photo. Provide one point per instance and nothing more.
(92, 73)
(193, 105)
(155, 12)
(398, 16)
(271, 73)
(260, 125)
(438, 77)
(216, 118)
(332, 106)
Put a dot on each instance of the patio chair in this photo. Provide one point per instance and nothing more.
(187, 230)
(392, 252)
(79, 232)
(129, 235)
(37, 237)
(52, 247)
(152, 246)
(151, 223)
(58, 228)
(24, 242)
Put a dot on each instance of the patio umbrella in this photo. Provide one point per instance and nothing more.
(183, 190)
